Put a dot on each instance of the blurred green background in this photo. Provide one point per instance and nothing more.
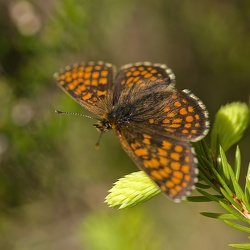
(52, 180)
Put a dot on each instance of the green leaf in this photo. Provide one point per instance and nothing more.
(237, 163)
(240, 246)
(203, 186)
(230, 199)
(230, 123)
(219, 216)
(247, 186)
(222, 182)
(225, 168)
(201, 198)
(215, 198)
(238, 227)
(231, 210)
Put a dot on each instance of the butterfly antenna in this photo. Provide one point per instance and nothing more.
(73, 113)
(97, 145)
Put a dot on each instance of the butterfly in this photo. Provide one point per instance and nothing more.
(153, 121)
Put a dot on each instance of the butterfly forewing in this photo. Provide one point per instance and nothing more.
(87, 83)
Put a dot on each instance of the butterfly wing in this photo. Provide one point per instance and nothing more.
(170, 163)
(149, 90)
(139, 74)
(87, 83)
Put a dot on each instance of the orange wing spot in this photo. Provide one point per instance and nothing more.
(171, 114)
(151, 121)
(187, 159)
(136, 73)
(89, 68)
(68, 74)
(184, 131)
(103, 81)
(136, 79)
(172, 192)
(81, 68)
(169, 184)
(163, 173)
(163, 161)
(153, 71)
(73, 84)
(146, 141)
(147, 75)
(147, 136)
(178, 174)
(175, 156)
(175, 125)
(61, 77)
(189, 118)
(94, 82)
(162, 152)
(104, 73)
(175, 165)
(176, 181)
(133, 68)
(187, 177)
(87, 96)
(185, 169)
(144, 72)
(177, 120)
(174, 96)
(80, 80)
(94, 99)
(153, 78)
(141, 151)
(95, 74)
(166, 145)
(170, 130)
(197, 125)
(193, 131)
(101, 93)
(128, 74)
(167, 170)
(68, 79)
(98, 67)
(178, 188)
(87, 82)
(61, 82)
(150, 68)
(140, 82)
(183, 111)
(178, 148)
(187, 125)
(155, 175)
(87, 75)
(135, 145)
(197, 117)
(177, 104)
(141, 68)
(74, 75)
(166, 109)
(166, 121)
(184, 100)
(80, 74)
(130, 79)
(81, 88)
(190, 109)
(122, 82)
(184, 184)
(153, 163)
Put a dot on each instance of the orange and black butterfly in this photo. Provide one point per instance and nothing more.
(153, 121)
